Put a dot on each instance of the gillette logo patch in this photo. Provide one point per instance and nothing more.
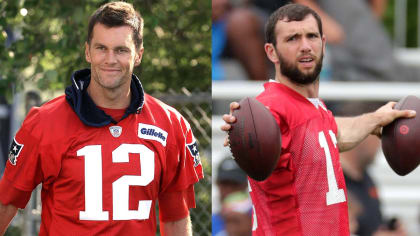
(153, 133)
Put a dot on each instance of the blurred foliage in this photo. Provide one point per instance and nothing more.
(412, 25)
(47, 43)
(13, 231)
(201, 215)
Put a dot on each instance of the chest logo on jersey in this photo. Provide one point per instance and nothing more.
(115, 131)
(152, 132)
(14, 151)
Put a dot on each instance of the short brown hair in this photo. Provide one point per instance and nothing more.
(118, 14)
(289, 12)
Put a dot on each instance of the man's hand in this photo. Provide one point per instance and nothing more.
(386, 114)
(229, 119)
(353, 130)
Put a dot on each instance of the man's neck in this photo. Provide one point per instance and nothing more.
(307, 90)
(110, 98)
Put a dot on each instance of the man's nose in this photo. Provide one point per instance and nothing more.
(110, 57)
(305, 45)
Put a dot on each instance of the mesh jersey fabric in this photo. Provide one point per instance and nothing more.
(94, 183)
(306, 193)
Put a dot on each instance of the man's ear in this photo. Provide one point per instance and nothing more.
(139, 56)
(270, 50)
(87, 53)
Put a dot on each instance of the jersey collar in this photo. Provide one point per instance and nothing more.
(87, 111)
(317, 103)
(314, 101)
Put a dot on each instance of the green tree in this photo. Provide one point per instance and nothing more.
(411, 19)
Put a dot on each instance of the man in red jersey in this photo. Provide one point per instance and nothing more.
(306, 193)
(105, 152)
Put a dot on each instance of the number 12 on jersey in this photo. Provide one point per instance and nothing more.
(120, 187)
(334, 194)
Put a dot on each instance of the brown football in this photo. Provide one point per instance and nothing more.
(255, 139)
(401, 138)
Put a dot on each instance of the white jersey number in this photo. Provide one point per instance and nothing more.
(120, 187)
(334, 194)
(254, 214)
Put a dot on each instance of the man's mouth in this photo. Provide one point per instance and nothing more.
(307, 61)
(110, 70)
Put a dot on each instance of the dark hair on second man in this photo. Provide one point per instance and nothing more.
(289, 12)
(115, 14)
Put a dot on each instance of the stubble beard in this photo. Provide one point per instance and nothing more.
(102, 80)
(297, 76)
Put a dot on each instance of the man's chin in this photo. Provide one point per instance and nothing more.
(307, 72)
(304, 78)
(110, 75)
(109, 81)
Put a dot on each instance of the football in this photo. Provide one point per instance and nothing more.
(401, 139)
(255, 139)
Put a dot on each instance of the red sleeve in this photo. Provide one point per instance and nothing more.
(331, 119)
(192, 158)
(168, 211)
(11, 195)
(183, 164)
(23, 169)
(333, 123)
(182, 170)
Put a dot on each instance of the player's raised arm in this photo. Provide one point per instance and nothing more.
(353, 130)
(180, 227)
(7, 212)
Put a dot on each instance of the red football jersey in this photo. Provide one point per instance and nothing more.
(103, 180)
(306, 193)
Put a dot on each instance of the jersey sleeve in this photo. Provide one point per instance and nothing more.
(23, 170)
(333, 123)
(183, 170)
(175, 205)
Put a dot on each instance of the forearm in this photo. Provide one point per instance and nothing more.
(177, 228)
(353, 130)
(7, 212)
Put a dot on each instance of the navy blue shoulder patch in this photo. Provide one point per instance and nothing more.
(15, 149)
(193, 148)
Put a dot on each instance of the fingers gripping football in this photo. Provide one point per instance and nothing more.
(400, 138)
(229, 119)
(254, 138)
(387, 113)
